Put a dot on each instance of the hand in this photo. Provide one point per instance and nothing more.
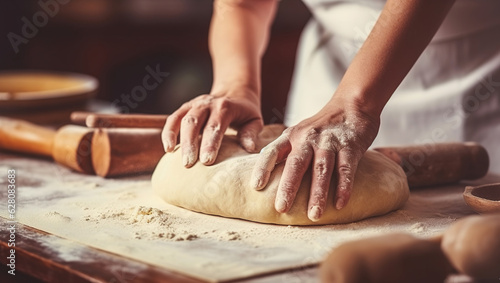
(210, 115)
(335, 138)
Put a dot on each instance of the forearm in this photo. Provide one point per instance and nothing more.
(238, 37)
(400, 35)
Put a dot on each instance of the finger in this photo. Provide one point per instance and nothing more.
(295, 167)
(190, 130)
(172, 127)
(267, 160)
(248, 134)
(212, 138)
(323, 165)
(347, 163)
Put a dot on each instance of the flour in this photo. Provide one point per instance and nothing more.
(143, 214)
(55, 214)
(63, 249)
(149, 223)
(229, 236)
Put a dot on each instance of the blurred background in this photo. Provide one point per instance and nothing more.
(116, 40)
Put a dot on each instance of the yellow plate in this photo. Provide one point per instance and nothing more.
(39, 89)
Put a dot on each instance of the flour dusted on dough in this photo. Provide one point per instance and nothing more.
(224, 188)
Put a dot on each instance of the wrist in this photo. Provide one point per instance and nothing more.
(236, 89)
(239, 92)
(359, 100)
(351, 109)
(236, 83)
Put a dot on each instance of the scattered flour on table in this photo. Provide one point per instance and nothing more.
(57, 215)
(149, 223)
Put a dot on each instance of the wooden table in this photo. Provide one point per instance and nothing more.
(37, 256)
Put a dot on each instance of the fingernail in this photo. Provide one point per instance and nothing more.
(188, 159)
(315, 213)
(256, 182)
(167, 146)
(259, 181)
(248, 144)
(281, 205)
(207, 157)
(340, 204)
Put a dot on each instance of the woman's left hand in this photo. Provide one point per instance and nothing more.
(335, 138)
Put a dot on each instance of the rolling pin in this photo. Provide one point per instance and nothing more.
(439, 163)
(424, 165)
(95, 120)
(125, 151)
(117, 152)
(69, 146)
(123, 144)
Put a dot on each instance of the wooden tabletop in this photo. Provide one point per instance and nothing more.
(38, 256)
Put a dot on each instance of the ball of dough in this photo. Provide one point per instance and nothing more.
(472, 245)
(223, 189)
(392, 258)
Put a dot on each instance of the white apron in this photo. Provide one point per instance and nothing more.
(452, 93)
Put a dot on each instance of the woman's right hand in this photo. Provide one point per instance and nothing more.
(237, 39)
(209, 115)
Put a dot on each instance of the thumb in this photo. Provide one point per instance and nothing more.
(248, 134)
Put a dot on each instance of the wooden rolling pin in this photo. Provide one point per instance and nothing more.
(123, 144)
(125, 151)
(425, 165)
(97, 120)
(69, 146)
(106, 152)
(439, 163)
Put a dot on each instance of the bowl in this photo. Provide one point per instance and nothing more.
(483, 199)
(44, 96)
(37, 89)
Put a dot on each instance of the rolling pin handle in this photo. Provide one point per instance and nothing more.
(477, 161)
(21, 136)
(79, 117)
(439, 163)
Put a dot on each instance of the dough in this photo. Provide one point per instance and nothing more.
(223, 189)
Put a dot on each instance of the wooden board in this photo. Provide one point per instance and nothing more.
(34, 197)
(36, 255)
(38, 261)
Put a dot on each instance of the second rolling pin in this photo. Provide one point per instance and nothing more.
(99, 120)
(125, 151)
(439, 163)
